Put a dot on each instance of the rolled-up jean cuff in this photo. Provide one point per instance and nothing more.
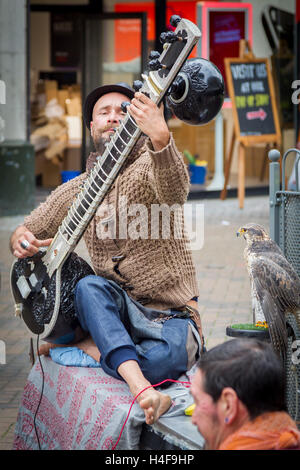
(120, 355)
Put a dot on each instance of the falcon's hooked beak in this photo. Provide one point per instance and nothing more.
(241, 232)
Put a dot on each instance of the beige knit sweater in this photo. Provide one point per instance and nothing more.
(158, 272)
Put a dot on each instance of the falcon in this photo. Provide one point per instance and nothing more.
(275, 285)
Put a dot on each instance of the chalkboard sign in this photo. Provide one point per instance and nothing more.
(251, 89)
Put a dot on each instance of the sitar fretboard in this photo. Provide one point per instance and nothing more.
(99, 181)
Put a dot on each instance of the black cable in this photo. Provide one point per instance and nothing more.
(41, 396)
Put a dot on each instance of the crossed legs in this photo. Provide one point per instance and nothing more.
(153, 402)
(99, 315)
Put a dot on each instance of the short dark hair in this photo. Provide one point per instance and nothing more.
(251, 368)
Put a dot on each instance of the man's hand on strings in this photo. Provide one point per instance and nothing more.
(150, 119)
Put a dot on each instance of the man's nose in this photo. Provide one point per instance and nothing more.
(113, 117)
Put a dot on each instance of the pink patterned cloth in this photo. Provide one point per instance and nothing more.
(81, 408)
(84, 408)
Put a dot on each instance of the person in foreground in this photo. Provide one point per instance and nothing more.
(140, 307)
(239, 398)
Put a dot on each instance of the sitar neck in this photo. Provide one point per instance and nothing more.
(92, 193)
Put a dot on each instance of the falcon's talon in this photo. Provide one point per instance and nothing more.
(262, 324)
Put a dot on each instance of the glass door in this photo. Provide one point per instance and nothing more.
(114, 50)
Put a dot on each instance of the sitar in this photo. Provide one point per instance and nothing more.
(43, 285)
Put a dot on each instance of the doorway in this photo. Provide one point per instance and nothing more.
(70, 54)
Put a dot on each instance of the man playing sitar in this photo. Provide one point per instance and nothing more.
(140, 306)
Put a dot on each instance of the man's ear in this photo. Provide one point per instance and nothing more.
(228, 405)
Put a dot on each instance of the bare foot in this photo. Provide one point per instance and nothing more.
(45, 348)
(87, 345)
(154, 404)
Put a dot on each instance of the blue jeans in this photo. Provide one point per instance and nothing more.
(164, 345)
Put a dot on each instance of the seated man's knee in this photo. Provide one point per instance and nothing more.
(87, 283)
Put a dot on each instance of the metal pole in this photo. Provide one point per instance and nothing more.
(144, 54)
(217, 182)
(28, 110)
(160, 22)
(274, 187)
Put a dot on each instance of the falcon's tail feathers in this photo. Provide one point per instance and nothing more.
(278, 335)
(297, 317)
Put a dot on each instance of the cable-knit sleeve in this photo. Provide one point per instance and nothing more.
(170, 179)
(44, 221)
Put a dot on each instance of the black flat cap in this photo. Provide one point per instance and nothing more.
(93, 97)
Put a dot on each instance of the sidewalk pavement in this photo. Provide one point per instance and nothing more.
(221, 272)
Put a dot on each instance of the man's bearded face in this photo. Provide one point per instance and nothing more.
(107, 114)
(101, 140)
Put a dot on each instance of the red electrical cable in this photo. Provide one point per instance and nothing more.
(150, 386)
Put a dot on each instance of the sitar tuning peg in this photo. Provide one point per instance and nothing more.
(168, 37)
(163, 38)
(155, 65)
(137, 84)
(174, 20)
(124, 105)
(154, 55)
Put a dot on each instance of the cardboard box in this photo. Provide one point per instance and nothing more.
(72, 159)
(62, 96)
(50, 173)
(74, 124)
(50, 85)
(50, 170)
(50, 89)
(73, 106)
(51, 177)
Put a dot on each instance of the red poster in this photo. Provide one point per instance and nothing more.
(226, 28)
(127, 32)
